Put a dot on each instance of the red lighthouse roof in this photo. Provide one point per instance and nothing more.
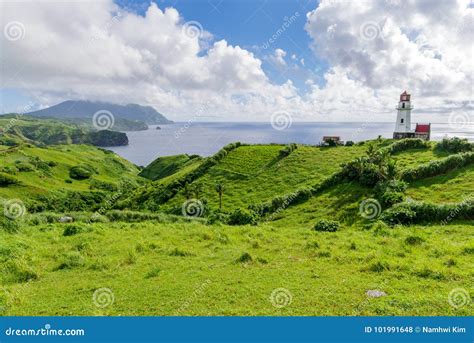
(422, 128)
(405, 96)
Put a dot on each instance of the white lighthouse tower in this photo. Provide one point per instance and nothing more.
(403, 124)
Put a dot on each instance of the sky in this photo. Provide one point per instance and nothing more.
(230, 60)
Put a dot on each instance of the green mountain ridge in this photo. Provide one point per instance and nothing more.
(87, 109)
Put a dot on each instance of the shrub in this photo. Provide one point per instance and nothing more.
(153, 273)
(22, 166)
(438, 167)
(287, 150)
(8, 225)
(242, 217)
(71, 260)
(419, 212)
(18, 272)
(391, 198)
(6, 180)
(72, 230)
(79, 173)
(244, 258)
(414, 240)
(407, 143)
(327, 225)
(454, 145)
(378, 267)
(103, 185)
(68, 181)
(349, 143)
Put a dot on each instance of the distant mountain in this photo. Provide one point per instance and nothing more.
(87, 109)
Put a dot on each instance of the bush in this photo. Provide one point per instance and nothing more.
(287, 150)
(407, 143)
(349, 143)
(80, 173)
(6, 180)
(72, 230)
(419, 212)
(327, 225)
(242, 217)
(71, 260)
(103, 185)
(438, 167)
(244, 258)
(24, 166)
(413, 240)
(391, 198)
(454, 145)
(8, 225)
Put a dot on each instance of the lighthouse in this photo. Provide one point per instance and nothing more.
(404, 113)
(403, 123)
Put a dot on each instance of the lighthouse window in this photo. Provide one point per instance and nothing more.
(403, 105)
(401, 121)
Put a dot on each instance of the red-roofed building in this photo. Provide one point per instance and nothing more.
(423, 131)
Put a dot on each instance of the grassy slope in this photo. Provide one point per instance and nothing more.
(327, 280)
(254, 174)
(164, 167)
(111, 168)
(452, 187)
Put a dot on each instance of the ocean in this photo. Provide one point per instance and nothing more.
(205, 139)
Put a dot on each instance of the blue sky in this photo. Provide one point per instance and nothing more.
(249, 24)
(336, 61)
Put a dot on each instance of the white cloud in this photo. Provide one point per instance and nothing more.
(421, 46)
(99, 51)
(278, 58)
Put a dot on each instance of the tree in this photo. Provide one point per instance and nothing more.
(220, 191)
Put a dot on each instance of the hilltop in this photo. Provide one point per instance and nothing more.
(87, 109)
(322, 225)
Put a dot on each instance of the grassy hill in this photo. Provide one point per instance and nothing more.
(161, 260)
(15, 129)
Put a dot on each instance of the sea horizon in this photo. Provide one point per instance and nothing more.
(206, 138)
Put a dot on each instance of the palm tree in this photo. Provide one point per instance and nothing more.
(391, 169)
(220, 191)
(371, 152)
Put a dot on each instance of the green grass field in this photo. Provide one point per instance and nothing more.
(154, 263)
(193, 269)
